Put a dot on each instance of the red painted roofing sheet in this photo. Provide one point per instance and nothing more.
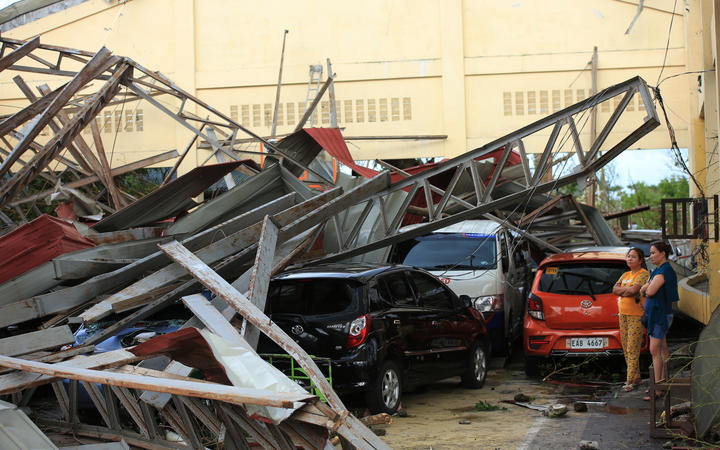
(331, 140)
(36, 243)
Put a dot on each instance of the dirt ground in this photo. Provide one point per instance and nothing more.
(444, 415)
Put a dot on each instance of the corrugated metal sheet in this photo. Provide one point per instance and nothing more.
(36, 243)
(332, 141)
(168, 200)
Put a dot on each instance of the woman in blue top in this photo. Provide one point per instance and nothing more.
(661, 291)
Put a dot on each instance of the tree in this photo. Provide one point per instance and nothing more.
(639, 194)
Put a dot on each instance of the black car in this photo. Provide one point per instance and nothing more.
(384, 328)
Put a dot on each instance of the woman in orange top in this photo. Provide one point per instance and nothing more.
(630, 308)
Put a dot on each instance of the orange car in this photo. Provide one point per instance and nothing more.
(571, 310)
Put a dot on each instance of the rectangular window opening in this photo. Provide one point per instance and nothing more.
(372, 113)
(507, 104)
(544, 102)
(531, 103)
(360, 110)
(519, 104)
(556, 100)
(407, 108)
(245, 115)
(348, 111)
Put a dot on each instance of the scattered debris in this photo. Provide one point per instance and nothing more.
(555, 410)
(588, 445)
(580, 407)
(485, 406)
(204, 382)
(523, 398)
(377, 419)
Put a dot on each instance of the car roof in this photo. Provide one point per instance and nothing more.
(489, 227)
(583, 254)
(358, 271)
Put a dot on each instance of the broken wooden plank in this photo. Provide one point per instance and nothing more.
(260, 279)
(250, 312)
(77, 269)
(132, 438)
(68, 298)
(36, 340)
(221, 248)
(18, 381)
(212, 319)
(284, 255)
(59, 141)
(97, 65)
(213, 391)
(10, 59)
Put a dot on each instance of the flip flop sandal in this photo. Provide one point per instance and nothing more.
(628, 387)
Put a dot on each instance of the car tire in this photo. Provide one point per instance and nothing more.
(477, 367)
(532, 366)
(385, 393)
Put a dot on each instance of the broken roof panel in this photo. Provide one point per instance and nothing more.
(37, 242)
(167, 201)
(270, 184)
(332, 141)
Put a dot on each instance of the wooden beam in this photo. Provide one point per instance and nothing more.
(55, 145)
(233, 243)
(213, 320)
(36, 340)
(10, 59)
(260, 279)
(53, 126)
(242, 305)
(98, 64)
(117, 199)
(18, 381)
(213, 391)
(94, 178)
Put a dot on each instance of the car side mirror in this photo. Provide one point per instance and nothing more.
(465, 301)
(505, 263)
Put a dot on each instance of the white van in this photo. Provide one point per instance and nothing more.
(481, 259)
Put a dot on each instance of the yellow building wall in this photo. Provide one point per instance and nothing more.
(404, 67)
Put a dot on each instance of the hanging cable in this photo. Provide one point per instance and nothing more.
(673, 141)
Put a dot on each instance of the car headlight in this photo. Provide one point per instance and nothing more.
(488, 303)
(484, 303)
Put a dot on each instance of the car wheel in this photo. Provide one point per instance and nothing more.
(476, 371)
(532, 366)
(385, 394)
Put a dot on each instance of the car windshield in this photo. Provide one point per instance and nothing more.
(314, 296)
(584, 279)
(449, 251)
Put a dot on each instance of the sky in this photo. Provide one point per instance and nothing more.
(648, 166)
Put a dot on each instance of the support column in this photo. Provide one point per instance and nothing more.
(453, 76)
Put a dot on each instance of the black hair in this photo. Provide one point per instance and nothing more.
(640, 253)
(662, 247)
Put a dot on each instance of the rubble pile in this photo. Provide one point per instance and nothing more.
(92, 325)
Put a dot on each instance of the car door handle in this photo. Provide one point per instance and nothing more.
(435, 323)
(396, 322)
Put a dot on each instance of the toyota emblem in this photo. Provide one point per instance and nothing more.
(297, 330)
(586, 304)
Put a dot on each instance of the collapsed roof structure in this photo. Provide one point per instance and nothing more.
(228, 248)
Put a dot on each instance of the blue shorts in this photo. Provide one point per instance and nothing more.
(658, 331)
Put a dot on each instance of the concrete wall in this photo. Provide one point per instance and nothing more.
(473, 70)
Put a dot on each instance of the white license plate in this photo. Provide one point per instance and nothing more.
(586, 343)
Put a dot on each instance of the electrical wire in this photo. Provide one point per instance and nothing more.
(667, 47)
